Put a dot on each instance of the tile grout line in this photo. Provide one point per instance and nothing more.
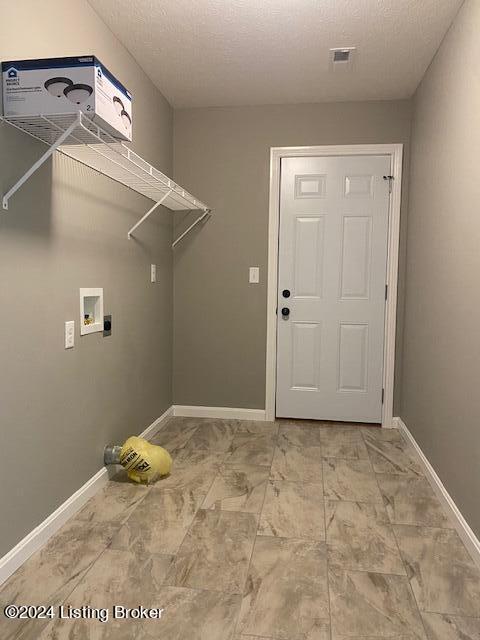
(249, 635)
(200, 509)
(164, 583)
(410, 585)
(268, 469)
(149, 487)
(172, 420)
(147, 493)
(410, 474)
(106, 548)
(421, 611)
(410, 452)
(235, 629)
(453, 615)
(398, 476)
(401, 555)
(326, 542)
(122, 524)
(90, 567)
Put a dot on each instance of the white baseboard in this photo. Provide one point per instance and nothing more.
(469, 539)
(390, 424)
(227, 413)
(46, 529)
(155, 426)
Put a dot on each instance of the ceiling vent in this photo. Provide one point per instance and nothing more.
(342, 58)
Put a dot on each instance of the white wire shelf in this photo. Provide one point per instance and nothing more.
(77, 136)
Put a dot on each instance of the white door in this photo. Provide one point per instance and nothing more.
(331, 287)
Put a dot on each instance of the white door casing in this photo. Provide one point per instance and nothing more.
(334, 234)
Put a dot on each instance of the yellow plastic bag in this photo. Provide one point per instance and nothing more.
(144, 462)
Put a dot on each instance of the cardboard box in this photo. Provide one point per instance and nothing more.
(66, 85)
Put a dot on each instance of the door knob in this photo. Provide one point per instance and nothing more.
(285, 312)
(286, 293)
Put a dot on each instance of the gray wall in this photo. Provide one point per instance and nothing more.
(222, 154)
(67, 229)
(441, 367)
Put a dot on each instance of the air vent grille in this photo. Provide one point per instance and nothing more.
(342, 57)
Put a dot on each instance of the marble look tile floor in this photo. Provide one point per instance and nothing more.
(292, 530)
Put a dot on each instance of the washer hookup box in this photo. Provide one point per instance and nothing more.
(66, 85)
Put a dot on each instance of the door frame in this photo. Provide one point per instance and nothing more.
(395, 151)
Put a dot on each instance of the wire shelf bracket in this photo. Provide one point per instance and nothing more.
(204, 215)
(148, 214)
(77, 136)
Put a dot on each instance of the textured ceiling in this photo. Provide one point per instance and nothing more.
(250, 52)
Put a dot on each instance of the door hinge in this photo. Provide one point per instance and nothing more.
(383, 395)
(386, 291)
(389, 178)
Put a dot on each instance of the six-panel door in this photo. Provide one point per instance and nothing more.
(332, 261)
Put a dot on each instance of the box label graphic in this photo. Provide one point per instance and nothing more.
(66, 85)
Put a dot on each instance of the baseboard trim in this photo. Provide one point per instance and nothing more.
(469, 539)
(39, 536)
(227, 413)
(151, 430)
(45, 530)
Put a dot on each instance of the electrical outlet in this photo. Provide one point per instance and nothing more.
(153, 273)
(69, 334)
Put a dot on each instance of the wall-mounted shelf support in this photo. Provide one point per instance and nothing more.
(77, 136)
(149, 213)
(38, 164)
(206, 214)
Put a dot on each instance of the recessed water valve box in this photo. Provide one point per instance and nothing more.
(91, 311)
(54, 86)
